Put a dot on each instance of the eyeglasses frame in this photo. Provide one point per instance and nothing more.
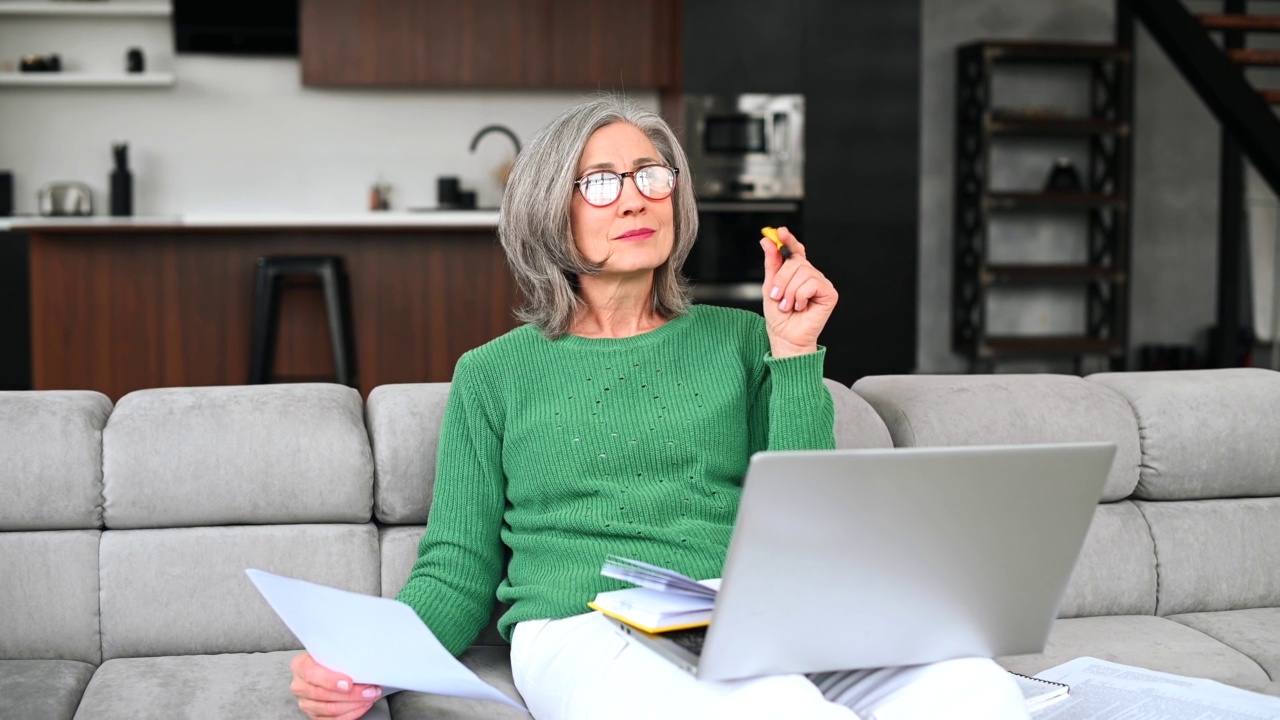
(622, 181)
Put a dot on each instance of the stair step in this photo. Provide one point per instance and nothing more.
(1247, 23)
(1249, 56)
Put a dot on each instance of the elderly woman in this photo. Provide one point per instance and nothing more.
(619, 421)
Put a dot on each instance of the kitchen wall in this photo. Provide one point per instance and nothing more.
(1175, 200)
(241, 135)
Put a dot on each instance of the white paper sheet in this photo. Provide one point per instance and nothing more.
(373, 640)
(1102, 690)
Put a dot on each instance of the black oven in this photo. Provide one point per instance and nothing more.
(726, 264)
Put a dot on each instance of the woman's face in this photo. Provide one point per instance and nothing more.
(634, 234)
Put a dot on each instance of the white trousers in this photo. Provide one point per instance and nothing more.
(581, 668)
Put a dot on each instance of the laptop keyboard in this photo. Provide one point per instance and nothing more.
(690, 639)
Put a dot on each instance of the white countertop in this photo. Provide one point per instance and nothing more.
(426, 219)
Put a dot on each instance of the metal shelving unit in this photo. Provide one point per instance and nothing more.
(1105, 200)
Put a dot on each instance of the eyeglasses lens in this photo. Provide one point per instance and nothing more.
(655, 182)
(601, 188)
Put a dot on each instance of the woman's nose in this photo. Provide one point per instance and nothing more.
(630, 201)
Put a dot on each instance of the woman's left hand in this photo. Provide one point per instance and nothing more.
(797, 298)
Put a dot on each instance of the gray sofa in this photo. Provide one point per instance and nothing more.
(125, 530)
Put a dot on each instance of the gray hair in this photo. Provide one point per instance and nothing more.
(534, 227)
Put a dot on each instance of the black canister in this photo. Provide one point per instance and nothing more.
(447, 192)
(135, 61)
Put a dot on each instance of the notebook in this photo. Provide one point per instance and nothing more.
(849, 559)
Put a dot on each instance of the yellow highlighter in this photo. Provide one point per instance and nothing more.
(772, 234)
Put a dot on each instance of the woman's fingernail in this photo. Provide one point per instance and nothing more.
(783, 305)
(370, 692)
(774, 292)
(343, 685)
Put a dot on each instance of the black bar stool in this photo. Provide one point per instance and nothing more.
(271, 272)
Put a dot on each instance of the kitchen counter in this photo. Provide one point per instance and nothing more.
(121, 304)
(430, 219)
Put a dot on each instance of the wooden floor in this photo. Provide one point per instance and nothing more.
(119, 311)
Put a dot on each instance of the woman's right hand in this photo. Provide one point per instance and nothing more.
(323, 693)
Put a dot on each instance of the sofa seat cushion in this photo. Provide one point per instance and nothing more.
(42, 689)
(1254, 632)
(241, 685)
(492, 665)
(1145, 641)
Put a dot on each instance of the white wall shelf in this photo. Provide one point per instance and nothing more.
(74, 79)
(85, 9)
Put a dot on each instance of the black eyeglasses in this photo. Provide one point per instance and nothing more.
(603, 187)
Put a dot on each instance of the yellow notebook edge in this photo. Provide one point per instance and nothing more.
(638, 626)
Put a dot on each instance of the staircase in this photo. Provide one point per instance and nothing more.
(1212, 52)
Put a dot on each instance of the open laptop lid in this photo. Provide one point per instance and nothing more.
(848, 559)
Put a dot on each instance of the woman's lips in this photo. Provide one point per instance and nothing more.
(636, 235)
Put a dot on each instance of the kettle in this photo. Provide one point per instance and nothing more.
(60, 199)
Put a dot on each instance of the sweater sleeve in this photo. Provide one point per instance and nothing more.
(792, 407)
(460, 558)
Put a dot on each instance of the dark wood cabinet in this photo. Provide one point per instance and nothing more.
(490, 43)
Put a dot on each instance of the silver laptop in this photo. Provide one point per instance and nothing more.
(849, 559)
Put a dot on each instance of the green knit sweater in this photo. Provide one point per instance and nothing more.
(556, 453)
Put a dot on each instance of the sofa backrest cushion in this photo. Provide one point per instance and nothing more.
(404, 425)
(954, 410)
(1205, 433)
(51, 459)
(264, 454)
(49, 596)
(404, 429)
(1216, 554)
(183, 591)
(858, 425)
(1116, 572)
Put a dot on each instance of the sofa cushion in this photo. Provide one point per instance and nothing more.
(184, 591)
(492, 665)
(404, 426)
(945, 410)
(1216, 554)
(1254, 632)
(49, 595)
(858, 425)
(1116, 572)
(399, 547)
(175, 457)
(1205, 433)
(51, 459)
(42, 689)
(1149, 642)
(251, 685)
